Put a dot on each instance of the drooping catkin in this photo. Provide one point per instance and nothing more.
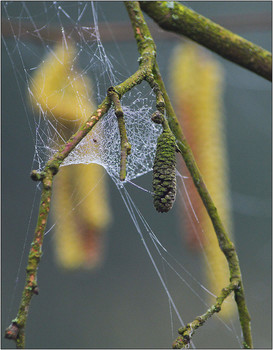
(59, 90)
(164, 177)
(80, 204)
(197, 81)
(82, 214)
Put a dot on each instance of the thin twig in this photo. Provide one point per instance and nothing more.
(125, 147)
(148, 70)
(187, 332)
(224, 241)
(160, 104)
(16, 330)
(175, 17)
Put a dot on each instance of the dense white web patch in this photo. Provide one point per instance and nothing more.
(142, 135)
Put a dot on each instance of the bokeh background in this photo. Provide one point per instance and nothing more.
(122, 303)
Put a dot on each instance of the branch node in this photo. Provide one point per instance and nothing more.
(54, 167)
(157, 117)
(37, 176)
(35, 290)
(12, 331)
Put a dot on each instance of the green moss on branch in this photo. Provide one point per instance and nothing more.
(148, 70)
(16, 330)
(225, 243)
(187, 332)
(175, 17)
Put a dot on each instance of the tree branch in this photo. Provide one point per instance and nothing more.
(16, 330)
(225, 243)
(148, 70)
(188, 331)
(175, 17)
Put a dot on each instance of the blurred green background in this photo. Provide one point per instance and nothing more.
(123, 304)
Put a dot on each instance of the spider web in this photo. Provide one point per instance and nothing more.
(62, 23)
(88, 59)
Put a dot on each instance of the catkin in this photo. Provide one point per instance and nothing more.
(60, 90)
(164, 178)
(197, 81)
(81, 217)
(80, 204)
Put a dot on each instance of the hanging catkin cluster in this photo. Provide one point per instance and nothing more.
(198, 79)
(80, 201)
(164, 178)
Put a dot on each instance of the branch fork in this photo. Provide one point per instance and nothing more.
(16, 330)
(187, 332)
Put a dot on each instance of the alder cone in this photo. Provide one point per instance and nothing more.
(164, 177)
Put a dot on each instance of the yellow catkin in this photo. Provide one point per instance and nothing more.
(81, 209)
(197, 86)
(60, 91)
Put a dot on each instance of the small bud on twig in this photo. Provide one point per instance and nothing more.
(37, 176)
(157, 117)
(12, 331)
